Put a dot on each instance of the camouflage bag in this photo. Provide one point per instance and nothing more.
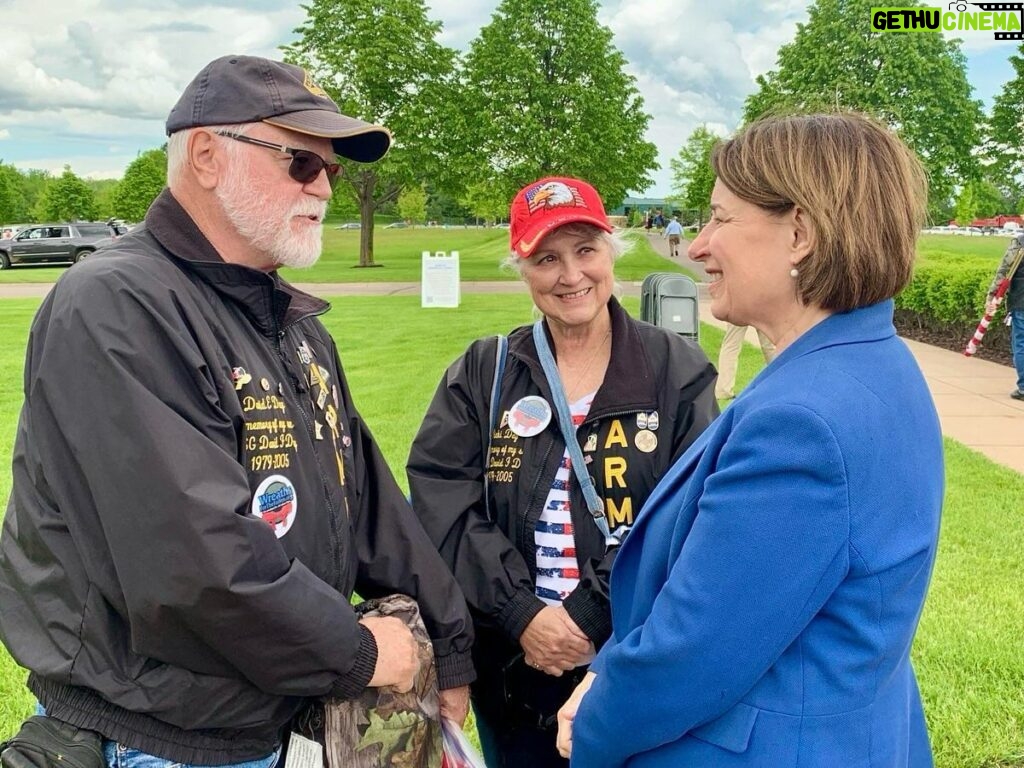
(382, 727)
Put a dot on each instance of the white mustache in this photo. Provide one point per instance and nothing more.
(319, 212)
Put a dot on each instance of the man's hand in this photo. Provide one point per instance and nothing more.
(991, 305)
(568, 713)
(455, 704)
(553, 643)
(398, 660)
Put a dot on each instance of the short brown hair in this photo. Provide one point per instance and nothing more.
(862, 188)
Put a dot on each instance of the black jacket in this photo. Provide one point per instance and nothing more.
(651, 371)
(171, 401)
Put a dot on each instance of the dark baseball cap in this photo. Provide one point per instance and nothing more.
(249, 89)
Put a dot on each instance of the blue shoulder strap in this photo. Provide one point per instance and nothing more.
(500, 355)
(547, 361)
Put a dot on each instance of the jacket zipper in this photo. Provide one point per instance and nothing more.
(333, 515)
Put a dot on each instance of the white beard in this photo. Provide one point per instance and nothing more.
(260, 220)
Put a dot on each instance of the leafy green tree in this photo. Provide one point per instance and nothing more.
(915, 83)
(443, 206)
(103, 191)
(966, 207)
(692, 177)
(68, 198)
(988, 199)
(33, 184)
(546, 93)
(1004, 146)
(144, 179)
(13, 208)
(486, 201)
(380, 61)
(412, 203)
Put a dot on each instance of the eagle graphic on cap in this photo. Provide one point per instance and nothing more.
(552, 194)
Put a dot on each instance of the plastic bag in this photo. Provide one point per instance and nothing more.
(457, 752)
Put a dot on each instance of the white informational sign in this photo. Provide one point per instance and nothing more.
(440, 282)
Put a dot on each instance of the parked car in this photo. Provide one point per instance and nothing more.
(350, 225)
(52, 243)
(396, 225)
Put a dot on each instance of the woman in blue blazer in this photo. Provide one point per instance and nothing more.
(765, 602)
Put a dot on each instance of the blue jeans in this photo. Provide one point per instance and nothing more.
(1017, 344)
(120, 756)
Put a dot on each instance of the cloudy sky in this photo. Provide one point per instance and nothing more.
(89, 83)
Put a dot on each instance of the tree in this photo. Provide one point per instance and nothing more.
(692, 177)
(966, 206)
(546, 93)
(13, 208)
(1004, 146)
(379, 60)
(915, 83)
(103, 192)
(144, 179)
(412, 203)
(33, 184)
(68, 198)
(486, 202)
(989, 199)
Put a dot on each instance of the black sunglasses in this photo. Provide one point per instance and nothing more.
(305, 165)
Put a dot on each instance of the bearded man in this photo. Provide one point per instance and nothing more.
(195, 497)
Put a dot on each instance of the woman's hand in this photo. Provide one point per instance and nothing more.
(568, 713)
(553, 643)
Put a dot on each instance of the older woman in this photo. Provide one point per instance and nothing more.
(765, 603)
(501, 496)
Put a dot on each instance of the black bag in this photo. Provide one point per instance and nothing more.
(44, 742)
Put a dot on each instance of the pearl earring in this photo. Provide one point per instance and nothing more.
(794, 272)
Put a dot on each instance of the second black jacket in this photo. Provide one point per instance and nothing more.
(652, 372)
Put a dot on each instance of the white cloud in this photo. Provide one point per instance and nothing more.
(89, 82)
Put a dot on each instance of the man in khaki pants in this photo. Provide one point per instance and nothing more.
(729, 355)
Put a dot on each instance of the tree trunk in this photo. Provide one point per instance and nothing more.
(366, 208)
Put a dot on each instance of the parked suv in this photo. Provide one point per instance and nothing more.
(52, 243)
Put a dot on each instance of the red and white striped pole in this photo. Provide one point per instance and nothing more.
(979, 334)
(997, 298)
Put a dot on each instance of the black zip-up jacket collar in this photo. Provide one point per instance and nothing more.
(269, 301)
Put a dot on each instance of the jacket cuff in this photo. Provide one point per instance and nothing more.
(591, 614)
(454, 669)
(356, 679)
(519, 612)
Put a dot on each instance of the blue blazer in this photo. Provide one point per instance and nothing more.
(765, 602)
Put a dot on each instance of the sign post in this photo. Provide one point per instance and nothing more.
(440, 279)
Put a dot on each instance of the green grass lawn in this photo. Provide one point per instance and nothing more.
(399, 252)
(959, 248)
(968, 651)
(481, 250)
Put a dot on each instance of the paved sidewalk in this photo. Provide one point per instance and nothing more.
(971, 395)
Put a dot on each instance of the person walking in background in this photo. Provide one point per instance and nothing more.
(1010, 268)
(674, 233)
(503, 500)
(195, 496)
(729, 357)
(765, 603)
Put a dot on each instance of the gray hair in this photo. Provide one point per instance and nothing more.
(177, 145)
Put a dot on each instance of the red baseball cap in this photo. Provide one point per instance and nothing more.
(547, 204)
